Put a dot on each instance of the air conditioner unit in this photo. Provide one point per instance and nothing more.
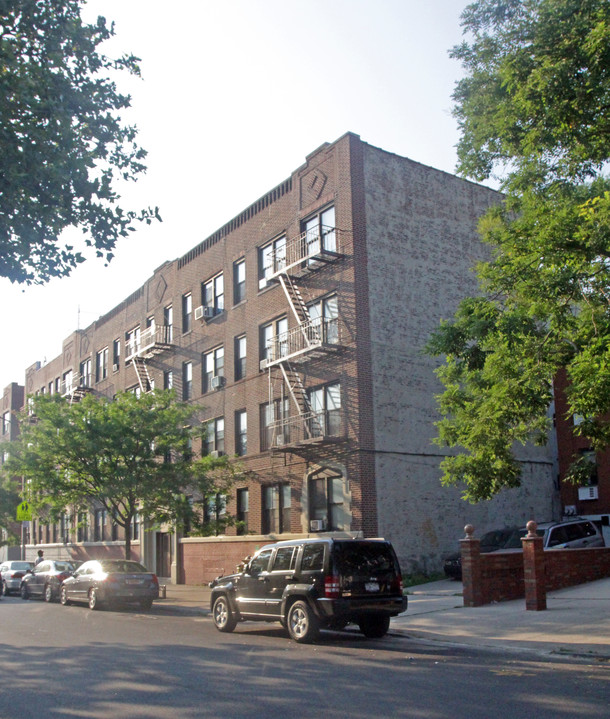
(279, 440)
(216, 453)
(204, 313)
(317, 525)
(217, 382)
(115, 368)
(588, 493)
(263, 365)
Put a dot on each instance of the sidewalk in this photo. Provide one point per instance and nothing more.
(576, 621)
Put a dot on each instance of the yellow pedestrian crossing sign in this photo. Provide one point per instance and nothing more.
(24, 513)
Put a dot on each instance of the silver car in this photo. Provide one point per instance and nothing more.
(11, 574)
(573, 533)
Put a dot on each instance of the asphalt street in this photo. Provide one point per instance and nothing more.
(69, 662)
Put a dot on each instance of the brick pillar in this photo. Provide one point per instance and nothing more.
(533, 569)
(470, 549)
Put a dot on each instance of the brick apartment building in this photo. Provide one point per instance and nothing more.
(298, 327)
(592, 498)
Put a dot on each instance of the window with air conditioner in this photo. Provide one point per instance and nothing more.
(326, 494)
(274, 341)
(274, 423)
(212, 368)
(213, 439)
(213, 295)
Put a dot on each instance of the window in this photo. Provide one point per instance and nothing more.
(6, 422)
(168, 379)
(325, 318)
(241, 433)
(214, 436)
(240, 357)
(85, 373)
(101, 365)
(132, 342)
(82, 533)
(135, 527)
(243, 509)
(116, 355)
(57, 385)
(320, 232)
(213, 365)
(313, 558)
(239, 281)
(272, 433)
(274, 340)
(213, 294)
(187, 313)
(187, 380)
(276, 509)
(168, 321)
(326, 500)
(285, 559)
(260, 562)
(326, 404)
(588, 462)
(271, 259)
(100, 524)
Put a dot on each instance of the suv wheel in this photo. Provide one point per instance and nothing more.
(375, 626)
(302, 624)
(222, 614)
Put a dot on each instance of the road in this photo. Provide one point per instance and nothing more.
(70, 662)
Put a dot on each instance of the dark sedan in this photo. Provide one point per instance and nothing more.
(106, 581)
(491, 542)
(45, 579)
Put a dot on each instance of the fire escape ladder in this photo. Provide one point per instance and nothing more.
(292, 379)
(142, 374)
(299, 308)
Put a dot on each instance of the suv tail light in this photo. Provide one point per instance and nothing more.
(331, 587)
(397, 584)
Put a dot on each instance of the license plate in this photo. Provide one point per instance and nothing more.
(133, 581)
(371, 586)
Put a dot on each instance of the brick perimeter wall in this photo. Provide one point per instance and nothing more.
(502, 573)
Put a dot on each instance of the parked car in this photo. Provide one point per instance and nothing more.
(11, 574)
(490, 542)
(45, 579)
(106, 581)
(573, 533)
(310, 584)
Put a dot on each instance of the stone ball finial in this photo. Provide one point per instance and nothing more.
(531, 527)
(469, 529)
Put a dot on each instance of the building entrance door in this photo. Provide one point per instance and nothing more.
(163, 554)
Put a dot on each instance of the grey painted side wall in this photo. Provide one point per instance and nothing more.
(421, 245)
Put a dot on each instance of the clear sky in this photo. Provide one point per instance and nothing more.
(234, 95)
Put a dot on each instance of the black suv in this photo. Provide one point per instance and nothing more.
(309, 584)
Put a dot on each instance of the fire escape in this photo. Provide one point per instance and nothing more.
(141, 347)
(310, 338)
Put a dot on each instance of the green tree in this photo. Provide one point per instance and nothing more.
(533, 110)
(131, 455)
(63, 146)
(9, 499)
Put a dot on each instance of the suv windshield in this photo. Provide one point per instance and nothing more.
(357, 559)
